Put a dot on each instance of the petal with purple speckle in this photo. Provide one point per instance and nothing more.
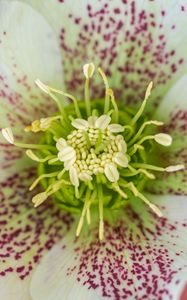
(28, 50)
(173, 111)
(141, 257)
(26, 234)
(135, 42)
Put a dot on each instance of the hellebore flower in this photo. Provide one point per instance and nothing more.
(114, 226)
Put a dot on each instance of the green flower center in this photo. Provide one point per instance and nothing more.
(94, 153)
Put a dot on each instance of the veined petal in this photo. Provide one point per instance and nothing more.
(26, 234)
(173, 111)
(140, 257)
(134, 41)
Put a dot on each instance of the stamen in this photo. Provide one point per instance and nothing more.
(101, 223)
(85, 154)
(116, 111)
(136, 193)
(34, 146)
(140, 111)
(154, 122)
(77, 110)
(34, 184)
(135, 172)
(39, 199)
(88, 70)
(175, 168)
(161, 138)
(46, 89)
(120, 191)
(8, 135)
(81, 220)
(34, 157)
(107, 96)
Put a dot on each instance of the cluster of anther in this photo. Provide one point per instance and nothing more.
(94, 147)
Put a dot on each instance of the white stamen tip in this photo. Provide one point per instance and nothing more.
(92, 120)
(174, 168)
(74, 176)
(42, 86)
(67, 153)
(80, 124)
(39, 199)
(102, 122)
(148, 91)
(111, 172)
(85, 177)
(163, 139)
(121, 159)
(8, 135)
(31, 155)
(88, 70)
(61, 144)
(116, 128)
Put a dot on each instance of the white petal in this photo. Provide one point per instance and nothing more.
(111, 172)
(88, 70)
(18, 219)
(25, 55)
(173, 111)
(120, 159)
(8, 135)
(80, 124)
(67, 153)
(61, 144)
(163, 139)
(74, 176)
(116, 128)
(140, 250)
(102, 122)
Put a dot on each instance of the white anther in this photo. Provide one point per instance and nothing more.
(91, 121)
(80, 124)
(120, 159)
(122, 146)
(39, 199)
(148, 90)
(84, 176)
(102, 122)
(69, 163)
(163, 139)
(116, 128)
(8, 135)
(73, 175)
(45, 123)
(61, 144)
(111, 172)
(67, 153)
(88, 70)
(42, 86)
(32, 155)
(175, 168)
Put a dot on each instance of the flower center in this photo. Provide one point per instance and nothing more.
(94, 153)
(95, 147)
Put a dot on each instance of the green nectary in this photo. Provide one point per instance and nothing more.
(94, 153)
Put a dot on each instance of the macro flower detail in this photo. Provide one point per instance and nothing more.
(105, 162)
(66, 234)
